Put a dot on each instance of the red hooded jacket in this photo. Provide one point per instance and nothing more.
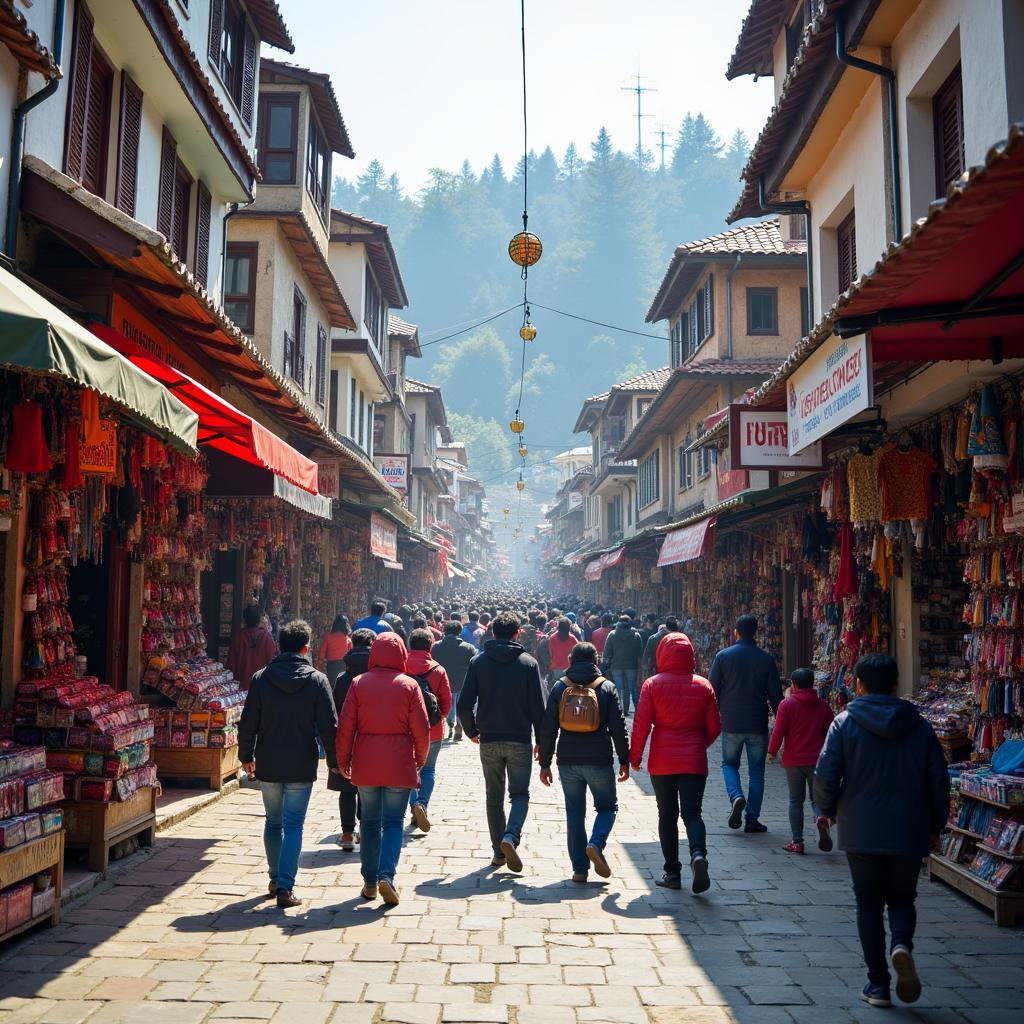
(800, 728)
(384, 731)
(420, 663)
(682, 710)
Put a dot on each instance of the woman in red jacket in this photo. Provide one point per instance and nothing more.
(382, 742)
(682, 710)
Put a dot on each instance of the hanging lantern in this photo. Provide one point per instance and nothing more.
(507, 511)
(525, 249)
(517, 426)
(520, 485)
(527, 332)
(523, 451)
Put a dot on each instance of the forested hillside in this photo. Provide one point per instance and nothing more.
(608, 226)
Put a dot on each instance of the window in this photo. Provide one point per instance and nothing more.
(352, 410)
(762, 311)
(797, 227)
(321, 364)
(649, 482)
(240, 284)
(704, 457)
(295, 359)
(277, 137)
(846, 252)
(677, 347)
(88, 117)
(333, 411)
(318, 168)
(233, 52)
(362, 419)
(373, 319)
(685, 470)
(204, 207)
(128, 134)
(700, 316)
(948, 118)
(175, 193)
(805, 313)
(642, 405)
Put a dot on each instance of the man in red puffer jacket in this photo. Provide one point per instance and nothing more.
(382, 742)
(681, 709)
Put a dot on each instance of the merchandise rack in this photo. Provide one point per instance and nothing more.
(96, 826)
(217, 764)
(22, 862)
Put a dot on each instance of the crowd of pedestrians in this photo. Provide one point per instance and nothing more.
(530, 683)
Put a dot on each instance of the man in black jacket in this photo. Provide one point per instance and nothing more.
(882, 776)
(585, 762)
(746, 682)
(500, 706)
(453, 654)
(288, 703)
(357, 661)
(650, 660)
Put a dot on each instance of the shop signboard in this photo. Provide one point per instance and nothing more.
(830, 388)
(98, 455)
(1014, 522)
(575, 501)
(395, 470)
(383, 537)
(731, 481)
(759, 439)
(328, 478)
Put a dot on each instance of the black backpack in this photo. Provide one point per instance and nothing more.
(433, 708)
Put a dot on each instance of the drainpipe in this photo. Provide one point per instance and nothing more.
(728, 305)
(232, 209)
(803, 207)
(894, 143)
(18, 134)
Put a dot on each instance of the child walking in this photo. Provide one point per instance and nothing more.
(800, 729)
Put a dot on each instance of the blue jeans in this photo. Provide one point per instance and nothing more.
(451, 714)
(428, 774)
(285, 805)
(514, 762)
(576, 779)
(383, 815)
(625, 682)
(757, 750)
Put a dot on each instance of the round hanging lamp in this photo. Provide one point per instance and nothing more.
(517, 426)
(523, 451)
(520, 485)
(527, 332)
(525, 249)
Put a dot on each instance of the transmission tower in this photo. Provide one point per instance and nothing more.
(662, 133)
(639, 88)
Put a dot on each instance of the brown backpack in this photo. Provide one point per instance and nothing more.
(578, 709)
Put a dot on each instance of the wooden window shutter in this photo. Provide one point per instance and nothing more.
(78, 93)
(289, 355)
(948, 112)
(97, 117)
(204, 205)
(250, 56)
(709, 306)
(846, 252)
(128, 146)
(165, 200)
(321, 364)
(216, 30)
(182, 203)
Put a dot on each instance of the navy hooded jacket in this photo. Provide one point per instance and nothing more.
(883, 777)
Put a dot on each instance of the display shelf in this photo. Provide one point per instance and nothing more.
(965, 832)
(22, 862)
(217, 764)
(1015, 858)
(993, 803)
(97, 827)
(1007, 907)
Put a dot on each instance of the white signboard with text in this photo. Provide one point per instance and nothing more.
(759, 439)
(395, 470)
(831, 387)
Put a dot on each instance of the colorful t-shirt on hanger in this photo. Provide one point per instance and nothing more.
(865, 487)
(906, 483)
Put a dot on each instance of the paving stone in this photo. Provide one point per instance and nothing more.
(411, 1013)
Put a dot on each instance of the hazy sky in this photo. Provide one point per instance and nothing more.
(425, 83)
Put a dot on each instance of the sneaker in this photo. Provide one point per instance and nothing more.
(908, 984)
(701, 878)
(668, 881)
(512, 858)
(794, 847)
(739, 805)
(368, 891)
(419, 814)
(579, 877)
(287, 898)
(755, 827)
(876, 995)
(388, 892)
(498, 860)
(596, 857)
(272, 889)
(347, 842)
(824, 835)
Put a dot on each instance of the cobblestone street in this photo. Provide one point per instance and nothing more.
(185, 934)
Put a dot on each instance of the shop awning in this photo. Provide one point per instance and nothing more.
(41, 338)
(221, 425)
(688, 543)
(592, 573)
(611, 558)
(238, 478)
(388, 564)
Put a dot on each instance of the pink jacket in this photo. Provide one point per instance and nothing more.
(800, 725)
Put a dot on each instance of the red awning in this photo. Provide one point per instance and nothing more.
(611, 558)
(221, 425)
(688, 543)
(592, 573)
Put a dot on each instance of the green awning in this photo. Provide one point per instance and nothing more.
(38, 337)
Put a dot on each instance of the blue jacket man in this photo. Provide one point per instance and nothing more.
(375, 620)
(883, 777)
(746, 682)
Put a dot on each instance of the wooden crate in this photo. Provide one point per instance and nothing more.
(21, 863)
(1006, 907)
(97, 827)
(216, 764)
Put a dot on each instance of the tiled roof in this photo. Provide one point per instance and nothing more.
(598, 398)
(273, 31)
(652, 380)
(397, 326)
(763, 238)
(324, 100)
(379, 249)
(753, 54)
(417, 387)
(26, 46)
(730, 367)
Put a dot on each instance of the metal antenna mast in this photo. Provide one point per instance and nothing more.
(639, 88)
(662, 133)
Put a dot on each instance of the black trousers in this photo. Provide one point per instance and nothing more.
(348, 805)
(680, 796)
(881, 881)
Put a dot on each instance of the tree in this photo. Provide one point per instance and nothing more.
(738, 150)
(572, 162)
(372, 179)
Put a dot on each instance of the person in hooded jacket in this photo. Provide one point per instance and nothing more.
(585, 762)
(383, 741)
(453, 654)
(288, 704)
(650, 658)
(883, 777)
(356, 662)
(501, 704)
(421, 665)
(252, 647)
(680, 707)
(560, 645)
(622, 651)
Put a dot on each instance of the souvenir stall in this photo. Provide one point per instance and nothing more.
(644, 584)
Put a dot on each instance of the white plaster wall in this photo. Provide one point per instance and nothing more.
(348, 264)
